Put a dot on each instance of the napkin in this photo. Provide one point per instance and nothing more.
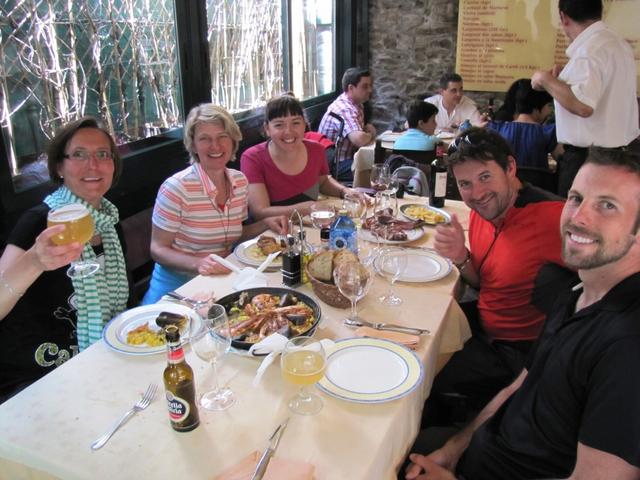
(273, 345)
(410, 341)
(278, 469)
(249, 278)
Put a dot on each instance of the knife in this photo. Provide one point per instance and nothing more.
(274, 440)
(386, 326)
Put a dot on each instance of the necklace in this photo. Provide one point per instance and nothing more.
(221, 212)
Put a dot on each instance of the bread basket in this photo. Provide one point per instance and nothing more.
(328, 292)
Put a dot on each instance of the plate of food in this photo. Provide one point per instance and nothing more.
(394, 231)
(446, 135)
(424, 266)
(429, 215)
(137, 331)
(253, 252)
(370, 370)
(256, 313)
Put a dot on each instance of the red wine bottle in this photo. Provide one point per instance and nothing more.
(438, 187)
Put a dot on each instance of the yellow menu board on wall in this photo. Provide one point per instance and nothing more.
(500, 41)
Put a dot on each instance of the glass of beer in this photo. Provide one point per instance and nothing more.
(79, 228)
(302, 362)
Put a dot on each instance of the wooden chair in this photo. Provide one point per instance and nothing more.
(137, 234)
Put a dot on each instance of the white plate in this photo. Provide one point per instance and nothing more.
(413, 234)
(444, 135)
(241, 251)
(422, 266)
(115, 332)
(371, 370)
(403, 209)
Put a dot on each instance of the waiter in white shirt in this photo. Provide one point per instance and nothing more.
(453, 107)
(595, 93)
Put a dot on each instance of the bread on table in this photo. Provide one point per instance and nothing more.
(321, 266)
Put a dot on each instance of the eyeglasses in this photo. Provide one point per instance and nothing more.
(85, 155)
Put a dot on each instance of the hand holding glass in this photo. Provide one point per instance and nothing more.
(353, 280)
(302, 362)
(79, 228)
(210, 342)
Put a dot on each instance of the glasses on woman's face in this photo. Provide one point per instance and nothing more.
(83, 156)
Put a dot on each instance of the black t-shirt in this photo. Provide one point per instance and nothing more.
(39, 333)
(582, 386)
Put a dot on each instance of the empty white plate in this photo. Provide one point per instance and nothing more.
(370, 370)
(422, 266)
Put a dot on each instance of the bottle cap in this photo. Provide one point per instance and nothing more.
(343, 212)
(172, 333)
(325, 233)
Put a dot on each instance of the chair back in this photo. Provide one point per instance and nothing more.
(413, 179)
(333, 160)
(545, 179)
(419, 156)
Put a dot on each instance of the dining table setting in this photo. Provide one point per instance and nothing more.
(322, 375)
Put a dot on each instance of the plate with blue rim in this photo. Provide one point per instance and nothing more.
(115, 332)
(370, 370)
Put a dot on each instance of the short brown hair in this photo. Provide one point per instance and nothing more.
(58, 144)
(480, 144)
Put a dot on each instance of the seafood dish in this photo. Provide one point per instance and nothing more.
(256, 313)
(145, 334)
(389, 227)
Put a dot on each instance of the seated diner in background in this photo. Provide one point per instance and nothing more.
(512, 233)
(357, 86)
(47, 317)
(572, 412)
(532, 141)
(286, 172)
(421, 118)
(453, 106)
(200, 210)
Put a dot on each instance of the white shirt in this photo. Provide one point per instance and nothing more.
(602, 74)
(465, 110)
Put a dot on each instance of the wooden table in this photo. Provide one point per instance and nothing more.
(47, 428)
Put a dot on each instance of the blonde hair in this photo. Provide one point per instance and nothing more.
(209, 113)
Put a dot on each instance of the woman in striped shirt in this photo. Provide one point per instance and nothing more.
(200, 209)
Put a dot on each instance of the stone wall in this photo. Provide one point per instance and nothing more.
(412, 43)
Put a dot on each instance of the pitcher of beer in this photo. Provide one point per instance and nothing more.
(79, 228)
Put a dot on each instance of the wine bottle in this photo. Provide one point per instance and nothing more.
(438, 187)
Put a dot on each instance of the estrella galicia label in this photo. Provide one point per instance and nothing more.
(178, 408)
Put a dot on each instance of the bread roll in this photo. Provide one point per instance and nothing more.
(321, 266)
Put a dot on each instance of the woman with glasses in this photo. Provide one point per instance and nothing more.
(286, 172)
(48, 317)
(201, 209)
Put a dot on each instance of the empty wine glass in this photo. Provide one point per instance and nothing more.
(392, 265)
(79, 228)
(211, 341)
(356, 206)
(380, 177)
(353, 280)
(302, 362)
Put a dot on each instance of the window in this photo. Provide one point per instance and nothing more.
(248, 54)
(118, 60)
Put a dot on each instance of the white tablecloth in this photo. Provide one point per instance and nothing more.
(47, 428)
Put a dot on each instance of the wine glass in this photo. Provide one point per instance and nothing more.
(211, 341)
(303, 361)
(392, 264)
(79, 228)
(385, 210)
(353, 280)
(380, 177)
(322, 214)
(356, 206)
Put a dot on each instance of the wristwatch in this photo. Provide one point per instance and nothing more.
(462, 265)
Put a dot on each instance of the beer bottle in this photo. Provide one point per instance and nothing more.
(179, 385)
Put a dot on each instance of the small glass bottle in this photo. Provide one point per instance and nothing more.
(307, 250)
(179, 385)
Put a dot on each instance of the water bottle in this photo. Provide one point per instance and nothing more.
(343, 233)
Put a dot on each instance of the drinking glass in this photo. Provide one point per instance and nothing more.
(211, 341)
(392, 264)
(322, 214)
(79, 228)
(353, 280)
(380, 177)
(385, 210)
(303, 361)
(356, 206)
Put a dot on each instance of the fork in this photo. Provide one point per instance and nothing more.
(140, 405)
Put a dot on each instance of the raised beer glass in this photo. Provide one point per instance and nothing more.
(79, 228)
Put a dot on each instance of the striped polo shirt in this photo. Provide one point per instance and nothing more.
(186, 206)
